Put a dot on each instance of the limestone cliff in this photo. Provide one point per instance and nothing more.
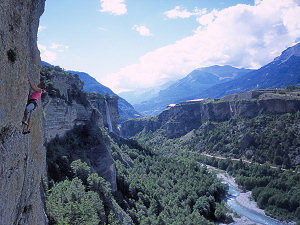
(183, 117)
(66, 105)
(21, 157)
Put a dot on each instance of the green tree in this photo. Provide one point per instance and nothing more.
(68, 203)
(81, 170)
(99, 185)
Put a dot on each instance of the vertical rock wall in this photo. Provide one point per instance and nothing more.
(21, 156)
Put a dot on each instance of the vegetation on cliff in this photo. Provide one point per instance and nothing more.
(266, 138)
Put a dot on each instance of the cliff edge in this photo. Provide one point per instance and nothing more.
(21, 156)
(181, 118)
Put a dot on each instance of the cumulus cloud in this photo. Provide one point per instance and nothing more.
(49, 53)
(179, 12)
(242, 36)
(114, 7)
(142, 30)
(46, 54)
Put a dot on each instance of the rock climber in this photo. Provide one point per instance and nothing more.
(31, 104)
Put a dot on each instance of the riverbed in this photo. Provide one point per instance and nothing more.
(240, 203)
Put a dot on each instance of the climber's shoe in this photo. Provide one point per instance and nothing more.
(25, 122)
(26, 132)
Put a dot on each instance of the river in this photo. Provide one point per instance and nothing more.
(254, 216)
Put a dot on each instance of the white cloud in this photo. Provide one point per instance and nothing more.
(242, 36)
(115, 7)
(49, 53)
(46, 55)
(41, 28)
(179, 12)
(142, 30)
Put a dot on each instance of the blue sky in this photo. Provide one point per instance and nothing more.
(136, 44)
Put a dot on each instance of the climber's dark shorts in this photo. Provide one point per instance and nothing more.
(30, 107)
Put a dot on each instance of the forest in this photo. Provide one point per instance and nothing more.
(266, 138)
(268, 149)
(152, 188)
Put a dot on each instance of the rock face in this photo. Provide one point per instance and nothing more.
(21, 157)
(70, 106)
(183, 117)
(66, 105)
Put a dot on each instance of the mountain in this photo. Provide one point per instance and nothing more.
(194, 83)
(126, 110)
(45, 63)
(281, 72)
(138, 96)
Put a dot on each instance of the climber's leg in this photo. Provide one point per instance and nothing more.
(28, 127)
(28, 114)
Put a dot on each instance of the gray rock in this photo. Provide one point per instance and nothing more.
(61, 114)
(22, 157)
(101, 162)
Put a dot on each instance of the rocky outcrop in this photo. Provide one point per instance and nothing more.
(70, 106)
(22, 157)
(101, 162)
(183, 117)
(65, 105)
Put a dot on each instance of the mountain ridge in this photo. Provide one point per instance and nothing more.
(284, 70)
(199, 79)
(126, 110)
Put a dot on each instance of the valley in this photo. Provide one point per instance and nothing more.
(205, 141)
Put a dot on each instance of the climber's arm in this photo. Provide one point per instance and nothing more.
(33, 87)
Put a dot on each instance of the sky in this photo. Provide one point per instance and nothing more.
(131, 45)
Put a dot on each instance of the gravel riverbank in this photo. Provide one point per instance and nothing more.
(244, 200)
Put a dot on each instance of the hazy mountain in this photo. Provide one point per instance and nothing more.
(282, 71)
(45, 64)
(126, 110)
(194, 83)
(141, 95)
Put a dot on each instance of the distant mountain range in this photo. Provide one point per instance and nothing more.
(138, 96)
(218, 81)
(126, 110)
(194, 83)
(208, 82)
(281, 72)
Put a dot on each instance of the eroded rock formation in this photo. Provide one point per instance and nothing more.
(66, 105)
(69, 106)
